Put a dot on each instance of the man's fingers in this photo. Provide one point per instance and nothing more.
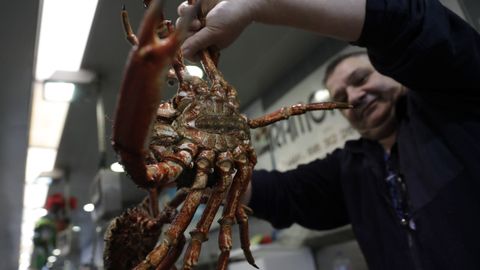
(200, 40)
(195, 25)
(206, 6)
(206, 36)
(183, 8)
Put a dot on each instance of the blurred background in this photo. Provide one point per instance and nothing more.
(61, 67)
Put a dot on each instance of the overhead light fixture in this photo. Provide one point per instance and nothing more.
(47, 177)
(58, 91)
(39, 160)
(55, 174)
(64, 30)
(81, 76)
(89, 207)
(62, 37)
(56, 252)
(321, 95)
(40, 212)
(116, 167)
(44, 180)
(195, 71)
(62, 84)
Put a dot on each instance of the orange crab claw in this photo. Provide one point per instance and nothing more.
(140, 93)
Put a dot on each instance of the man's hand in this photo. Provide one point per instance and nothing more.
(224, 22)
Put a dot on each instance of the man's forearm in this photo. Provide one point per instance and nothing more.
(341, 19)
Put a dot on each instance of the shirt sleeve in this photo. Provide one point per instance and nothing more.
(422, 44)
(310, 195)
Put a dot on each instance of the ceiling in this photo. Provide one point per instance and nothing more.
(264, 59)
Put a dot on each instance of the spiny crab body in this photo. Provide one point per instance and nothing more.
(212, 123)
(198, 134)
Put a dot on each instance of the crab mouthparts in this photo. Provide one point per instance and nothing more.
(220, 123)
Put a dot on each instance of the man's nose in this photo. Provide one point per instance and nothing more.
(355, 95)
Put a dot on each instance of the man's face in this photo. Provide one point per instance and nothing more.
(373, 96)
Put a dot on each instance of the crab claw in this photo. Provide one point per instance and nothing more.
(140, 93)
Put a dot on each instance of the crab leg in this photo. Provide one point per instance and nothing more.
(208, 57)
(300, 108)
(184, 217)
(228, 217)
(153, 195)
(242, 220)
(131, 37)
(173, 255)
(170, 210)
(168, 171)
(199, 235)
(242, 217)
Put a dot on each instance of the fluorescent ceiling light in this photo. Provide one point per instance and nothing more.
(39, 160)
(40, 212)
(35, 192)
(64, 29)
(44, 180)
(46, 121)
(37, 195)
(58, 91)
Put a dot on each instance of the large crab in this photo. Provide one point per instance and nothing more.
(197, 139)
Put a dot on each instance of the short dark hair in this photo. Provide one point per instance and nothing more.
(337, 60)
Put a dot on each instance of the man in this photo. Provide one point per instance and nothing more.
(354, 80)
(410, 185)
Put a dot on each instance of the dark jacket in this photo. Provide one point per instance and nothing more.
(437, 56)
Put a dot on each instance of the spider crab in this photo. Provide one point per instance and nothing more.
(197, 140)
